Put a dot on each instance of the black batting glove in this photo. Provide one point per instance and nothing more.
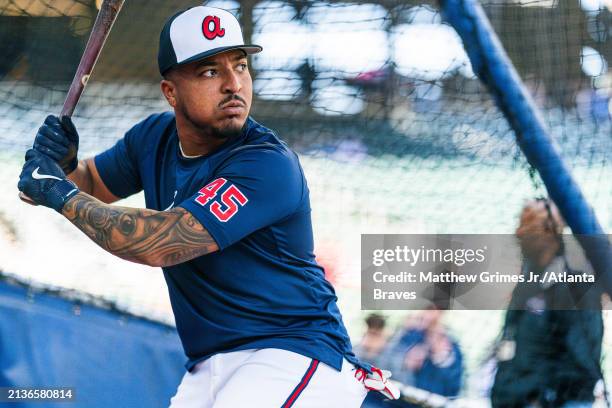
(44, 182)
(58, 139)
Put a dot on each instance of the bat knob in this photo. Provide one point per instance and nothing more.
(26, 199)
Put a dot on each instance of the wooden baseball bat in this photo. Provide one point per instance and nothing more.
(109, 10)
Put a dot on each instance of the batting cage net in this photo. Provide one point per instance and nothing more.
(395, 132)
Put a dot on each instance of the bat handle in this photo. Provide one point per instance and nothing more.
(26, 199)
(99, 32)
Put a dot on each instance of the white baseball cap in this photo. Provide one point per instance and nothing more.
(197, 33)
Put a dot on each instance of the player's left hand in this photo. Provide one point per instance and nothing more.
(43, 180)
(378, 380)
(59, 139)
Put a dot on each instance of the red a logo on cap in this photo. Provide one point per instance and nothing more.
(216, 31)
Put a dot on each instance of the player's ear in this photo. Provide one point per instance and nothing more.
(168, 88)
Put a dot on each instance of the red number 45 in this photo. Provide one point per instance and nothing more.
(230, 199)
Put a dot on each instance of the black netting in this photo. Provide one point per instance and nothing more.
(394, 131)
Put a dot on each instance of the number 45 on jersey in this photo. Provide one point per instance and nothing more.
(227, 205)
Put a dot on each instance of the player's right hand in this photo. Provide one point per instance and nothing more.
(59, 140)
(44, 182)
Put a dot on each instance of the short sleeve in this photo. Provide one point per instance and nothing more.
(256, 189)
(118, 166)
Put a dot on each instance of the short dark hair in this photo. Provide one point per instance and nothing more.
(375, 321)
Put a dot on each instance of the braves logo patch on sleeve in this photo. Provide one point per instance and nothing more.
(228, 203)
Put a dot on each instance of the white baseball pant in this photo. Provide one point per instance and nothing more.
(268, 378)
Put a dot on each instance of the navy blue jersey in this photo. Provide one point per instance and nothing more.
(263, 288)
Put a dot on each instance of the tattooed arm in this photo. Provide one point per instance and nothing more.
(155, 238)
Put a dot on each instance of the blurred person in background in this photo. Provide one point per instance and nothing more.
(423, 354)
(374, 340)
(370, 349)
(547, 357)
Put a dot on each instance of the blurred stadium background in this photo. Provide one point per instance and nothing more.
(394, 131)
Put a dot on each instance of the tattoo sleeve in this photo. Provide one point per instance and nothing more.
(155, 238)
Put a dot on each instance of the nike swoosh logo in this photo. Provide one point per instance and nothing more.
(36, 175)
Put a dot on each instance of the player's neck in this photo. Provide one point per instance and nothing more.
(194, 142)
(191, 148)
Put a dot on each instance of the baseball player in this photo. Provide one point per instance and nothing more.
(227, 219)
